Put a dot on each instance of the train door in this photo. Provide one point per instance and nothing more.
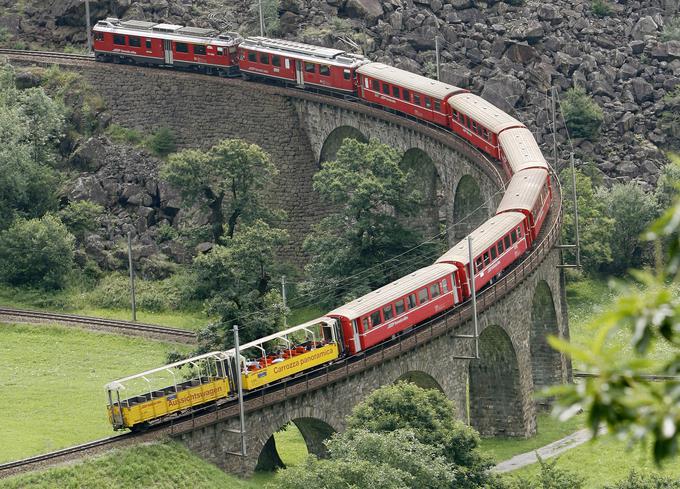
(454, 286)
(167, 46)
(299, 74)
(357, 339)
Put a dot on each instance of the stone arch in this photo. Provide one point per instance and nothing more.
(314, 432)
(334, 140)
(546, 363)
(421, 379)
(425, 179)
(469, 209)
(495, 392)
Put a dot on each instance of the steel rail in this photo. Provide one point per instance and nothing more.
(99, 324)
(348, 367)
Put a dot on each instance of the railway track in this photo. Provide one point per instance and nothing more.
(46, 54)
(99, 324)
(65, 454)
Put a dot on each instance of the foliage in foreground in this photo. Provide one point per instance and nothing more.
(620, 397)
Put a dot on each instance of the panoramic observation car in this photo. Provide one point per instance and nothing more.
(495, 245)
(151, 43)
(288, 352)
(137, 400)
(298, 63)
(397, 306)
(406, 92)
(529, 192)
(479, 121)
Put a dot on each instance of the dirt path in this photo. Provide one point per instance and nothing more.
(548, 451)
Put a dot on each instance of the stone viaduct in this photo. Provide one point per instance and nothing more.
(494, 393)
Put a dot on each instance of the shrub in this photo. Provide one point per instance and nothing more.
(582, 115)
(36, 252)
(81, 217)
(161, 142)
(669, 122)
(120, 134)
(671, 31)
(636, 480)
(601, 8)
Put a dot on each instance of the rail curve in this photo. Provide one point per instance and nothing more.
(347, 367)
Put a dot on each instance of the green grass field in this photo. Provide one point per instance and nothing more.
(52, 384)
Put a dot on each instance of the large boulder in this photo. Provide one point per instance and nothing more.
(642, 90)
(369, 10)
(504, 91)
(643, 28)
(90, 155)
(88, 187)
(521, 53)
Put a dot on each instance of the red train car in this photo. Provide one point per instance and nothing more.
(298, 63)
(142, 42)
(406, 92)
(529, 192)
(397, 306)
(520, 151)
(479, 122)
(495, 245)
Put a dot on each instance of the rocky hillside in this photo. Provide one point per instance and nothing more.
(510, 52)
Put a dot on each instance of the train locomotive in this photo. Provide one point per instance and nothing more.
(153, 396)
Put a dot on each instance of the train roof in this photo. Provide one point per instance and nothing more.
(483, 237)
(483, 112)
(392, 291)
(195, 35)
(303, 51)
(280, 334)
(523, 190)
(406, 79)
(521, 150)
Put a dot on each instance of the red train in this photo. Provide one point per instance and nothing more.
(407, 302)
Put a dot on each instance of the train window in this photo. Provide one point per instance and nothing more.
(147, 42)
(346, 74)
(399, 306)
(478, 265)
(388, 313)
(422, 296)
(434, 290)
(396, 92)
(469, 122)
(506, 240)
(375, 319)
(385, 88)
(416, 99)
(264, 58)
(454, 114)
(487, 260)
(519, 232)
(310, 67)
(411, 301)
(513, 236)
(181, 47)
(493, 252)
(325, 70)
(500, 247)
(437, 106)
(406, 95)
(199, 49)
(445, 286)
(276, 60)
(98, 36)
(134, 41)
(376, 85)
(428, 102)
(474, 126)
(118, 39)
(286, 63)
(252, 57)
(485, 134)
(366, 326)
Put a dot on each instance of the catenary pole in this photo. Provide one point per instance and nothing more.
(132, 278)
(474, 295)
(261, 20)
(573, 191)
(283, 295)
(436, 50)
(237, 374)
(87, 26)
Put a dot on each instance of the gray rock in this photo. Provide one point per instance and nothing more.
(367, 9)
(90, 155)
(637, 47)
(26, 79)
(504, 91)
(88, 188)
(548, 12)
(673, 49)
(460, 4)
(642, 91)
(626, 123)
(565, 63)
(455, 75)
(628, 71)
(520, 53)
(643, 28)
(204, 247)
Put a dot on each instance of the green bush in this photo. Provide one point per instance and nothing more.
(36, 252)
(671, 31)
(161, 142)
(636, 480)
(582, 115)
(669, 122)
(81, 217)
(120, 134)
(601, 8)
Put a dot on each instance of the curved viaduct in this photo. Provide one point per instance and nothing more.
(495, 393)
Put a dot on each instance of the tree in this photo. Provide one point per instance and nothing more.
(367, 187)
(594, 225)
(621, 397)
(235, 281)
(161, 142)
(364, 459)
(36, 252)
(582, 115)
(430, 416)
(229, 179)
(632, 210)
(81, 217)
